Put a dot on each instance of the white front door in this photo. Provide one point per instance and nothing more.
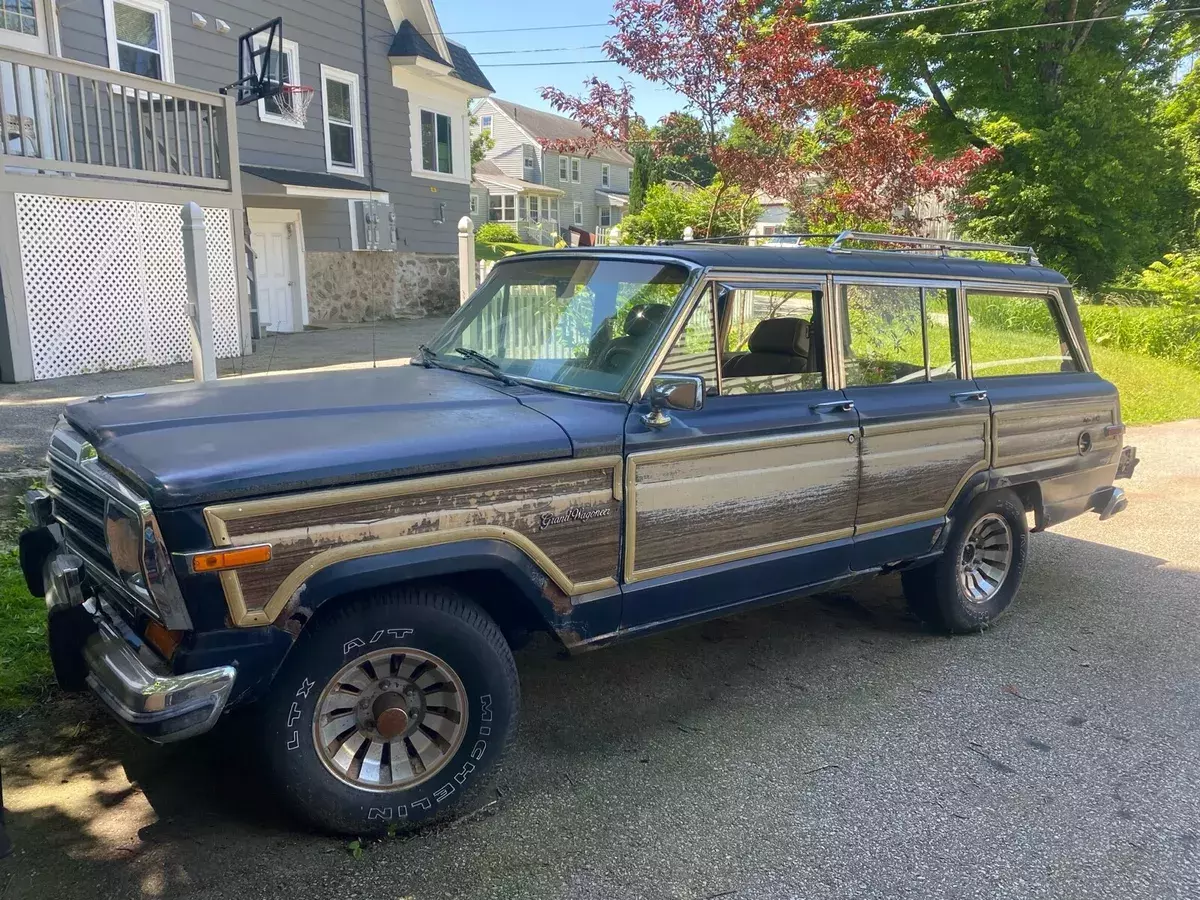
(274, 274)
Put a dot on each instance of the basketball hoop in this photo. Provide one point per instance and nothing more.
(293, 101)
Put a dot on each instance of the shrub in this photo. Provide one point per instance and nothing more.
(1176, 277)
(497, 233)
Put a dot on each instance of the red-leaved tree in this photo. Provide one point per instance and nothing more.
(818, 135)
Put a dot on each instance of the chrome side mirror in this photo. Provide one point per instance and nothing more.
(684, 392)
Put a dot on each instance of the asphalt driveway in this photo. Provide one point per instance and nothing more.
(825, 748)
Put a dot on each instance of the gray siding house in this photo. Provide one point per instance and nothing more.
(350, 216)
(541, 192)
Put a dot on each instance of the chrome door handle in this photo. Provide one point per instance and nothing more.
(833, 406)
(969, 395)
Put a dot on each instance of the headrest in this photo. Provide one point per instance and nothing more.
(643, 318)
(787, 336)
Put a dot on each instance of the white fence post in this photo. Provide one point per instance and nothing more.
(200, 315)
(466, 259)
(687, 233)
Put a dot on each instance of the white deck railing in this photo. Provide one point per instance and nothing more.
(62, 117)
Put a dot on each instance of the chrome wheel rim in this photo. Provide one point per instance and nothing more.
(986, 558)
(390, 719)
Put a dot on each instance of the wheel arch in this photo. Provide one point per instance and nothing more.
(499, 577)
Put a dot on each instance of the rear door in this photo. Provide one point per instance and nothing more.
(925, 423)
(754, 494)
(1054, 421)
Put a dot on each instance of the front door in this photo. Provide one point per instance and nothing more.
(925, 425)
(753, 495)
(273, 241)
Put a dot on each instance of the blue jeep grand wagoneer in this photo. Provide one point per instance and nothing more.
(600, 443)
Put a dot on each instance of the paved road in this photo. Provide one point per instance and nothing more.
(828, 748)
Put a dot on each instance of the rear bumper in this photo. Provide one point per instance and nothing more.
(90, 646)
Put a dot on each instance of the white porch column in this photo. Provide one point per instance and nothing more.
(200, 318)
(17, 357)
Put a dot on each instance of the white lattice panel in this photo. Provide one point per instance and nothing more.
(104, 283)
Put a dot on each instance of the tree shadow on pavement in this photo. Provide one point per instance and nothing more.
(96, 812)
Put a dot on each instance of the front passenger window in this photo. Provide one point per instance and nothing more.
(772, 340)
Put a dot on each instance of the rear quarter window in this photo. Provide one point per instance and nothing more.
(1017, 334)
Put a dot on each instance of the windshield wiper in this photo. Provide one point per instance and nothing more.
(492, 366)
(427, 355)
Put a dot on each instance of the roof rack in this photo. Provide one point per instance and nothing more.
(747, 238)
(942, 244)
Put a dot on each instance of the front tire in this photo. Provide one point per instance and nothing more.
(391, 711)
(974, 581)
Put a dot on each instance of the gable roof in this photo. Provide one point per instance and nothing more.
(410, 42)
(547, 126)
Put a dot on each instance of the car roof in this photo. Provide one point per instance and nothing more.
(787, 259)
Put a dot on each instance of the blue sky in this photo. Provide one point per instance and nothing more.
(483, 20)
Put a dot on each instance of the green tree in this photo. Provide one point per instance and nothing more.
(1181, 116)
(682, 151)
(1087, 174)
(642, 176)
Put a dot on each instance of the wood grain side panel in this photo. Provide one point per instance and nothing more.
(919, 469)
(693, 509)
(570, 517)
(1035, 432)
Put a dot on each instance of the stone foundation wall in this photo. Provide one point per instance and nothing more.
(365, 285)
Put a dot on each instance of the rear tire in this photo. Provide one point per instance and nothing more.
(974, 581)
(391, 711)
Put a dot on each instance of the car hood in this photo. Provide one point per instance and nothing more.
(204, 443)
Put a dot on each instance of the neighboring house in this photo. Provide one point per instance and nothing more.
(351, 216)
(773, 218)
(541, 192)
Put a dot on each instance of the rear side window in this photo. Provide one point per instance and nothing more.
(1017, 334)
(898, 334)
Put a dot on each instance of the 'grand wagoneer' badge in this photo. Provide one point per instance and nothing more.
(573, 514)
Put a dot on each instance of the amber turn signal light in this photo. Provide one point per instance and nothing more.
(232, 558)
(161, 639)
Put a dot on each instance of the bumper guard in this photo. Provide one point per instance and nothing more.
(159, 706)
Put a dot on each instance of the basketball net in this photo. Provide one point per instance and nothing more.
(293, 101)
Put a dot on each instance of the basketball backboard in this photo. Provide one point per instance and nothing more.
(260, 52)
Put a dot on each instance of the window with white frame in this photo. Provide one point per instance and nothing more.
(474, 204)
(502, 208)
(554, 209)
(343, 122)
(562, 168)
(437, 143)
(19, 16)
(604, 175)
(289, 73)
(485, 124)
(138, 33)
(604, 215)
(578, 212)
(575, 169)
(530, 162)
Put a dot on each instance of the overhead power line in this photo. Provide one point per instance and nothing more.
(949, 34)
(885, 15)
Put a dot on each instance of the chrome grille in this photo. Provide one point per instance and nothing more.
(79, 502)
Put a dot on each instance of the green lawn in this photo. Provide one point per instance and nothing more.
(24, 666)
(1152, 390)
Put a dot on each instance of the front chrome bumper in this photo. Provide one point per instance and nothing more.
(157, 705)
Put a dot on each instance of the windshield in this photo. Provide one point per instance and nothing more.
(579, 322)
